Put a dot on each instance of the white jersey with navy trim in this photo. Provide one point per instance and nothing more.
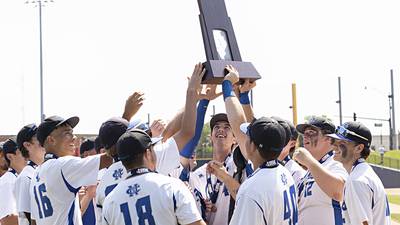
(55, 186)
(22, 196)
(8, 204)
(202, 182)
(365, 198)
(167, 154)
(296, 171)
(267, 197)
(314, 205)
(150, 198)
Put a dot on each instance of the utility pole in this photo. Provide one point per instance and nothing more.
(340, 102)
(39, 4)
(394, 137)
(294, 103)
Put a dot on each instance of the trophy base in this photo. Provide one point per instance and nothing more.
(215, 71)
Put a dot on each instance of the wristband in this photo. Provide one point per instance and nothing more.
(244, 98)
(227, 89)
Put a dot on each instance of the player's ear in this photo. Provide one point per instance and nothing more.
(359, 148)
(26, 144)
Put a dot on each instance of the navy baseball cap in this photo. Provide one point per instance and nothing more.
(133, 143)
(218, 118)
(10, 146)
(87, 145)
(285, 126)
(111, 130)
(317, 122)
(266, 133)
(97, 144)
(51, 123)
(26, 134)
(353, 131)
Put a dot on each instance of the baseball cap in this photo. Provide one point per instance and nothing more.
(97, 144)
(133, 143)
(218, 118)
(10, 146)
(26, 134)
(266, 133)
(317, 122)
(353, 131)
(51, 123)
(285, 126)
(111, 130)
(86, 145)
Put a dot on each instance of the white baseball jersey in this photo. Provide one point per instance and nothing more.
(167, 154)
(210, 187)
(55, 186)
(296, 170)
(150, 198)
(314, 205)
(22, 196)
(8, 204)
(268, 196)
(364, 197)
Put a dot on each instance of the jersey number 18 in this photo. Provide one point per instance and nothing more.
(143, 211)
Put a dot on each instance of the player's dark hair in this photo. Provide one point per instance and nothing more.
(269, 154)
(133, 162)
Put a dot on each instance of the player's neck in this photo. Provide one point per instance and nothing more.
(18, 167)
(220, 156)
(318, 154)
(37, 159)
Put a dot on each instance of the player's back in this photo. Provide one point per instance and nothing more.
(151, 198)
(113, 175)
(54, 187)
(370, 202)
(267, 197)
(22, 189)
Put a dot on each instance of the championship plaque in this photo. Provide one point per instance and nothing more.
(220, 44)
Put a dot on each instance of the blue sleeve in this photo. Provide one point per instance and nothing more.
(189, 148)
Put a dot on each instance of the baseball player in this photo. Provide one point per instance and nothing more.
(365, 200)
(145, 197)
(3, 162)
(167, 152)
(16, 162)
(261, 142)
(56, 182)
(31, 150)
(291, 165)
(321, 189)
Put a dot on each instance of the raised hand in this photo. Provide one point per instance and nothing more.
(195, 79)
(133, 104)
(247, 86)
(233, 75)
(210, 92)
(303, 156)
(157, 127)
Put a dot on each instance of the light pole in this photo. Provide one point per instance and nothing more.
(340, 102)
(39, 4)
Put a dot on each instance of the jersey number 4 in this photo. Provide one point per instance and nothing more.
(290, 208)
(143, 210)
(44, 208)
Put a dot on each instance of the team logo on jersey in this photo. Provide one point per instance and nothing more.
(284, 178)
(118, 174)
(133, 190)
(37, 178)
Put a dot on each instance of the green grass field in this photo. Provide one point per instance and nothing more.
(395, 217)
(391, 159)
(394, 199)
